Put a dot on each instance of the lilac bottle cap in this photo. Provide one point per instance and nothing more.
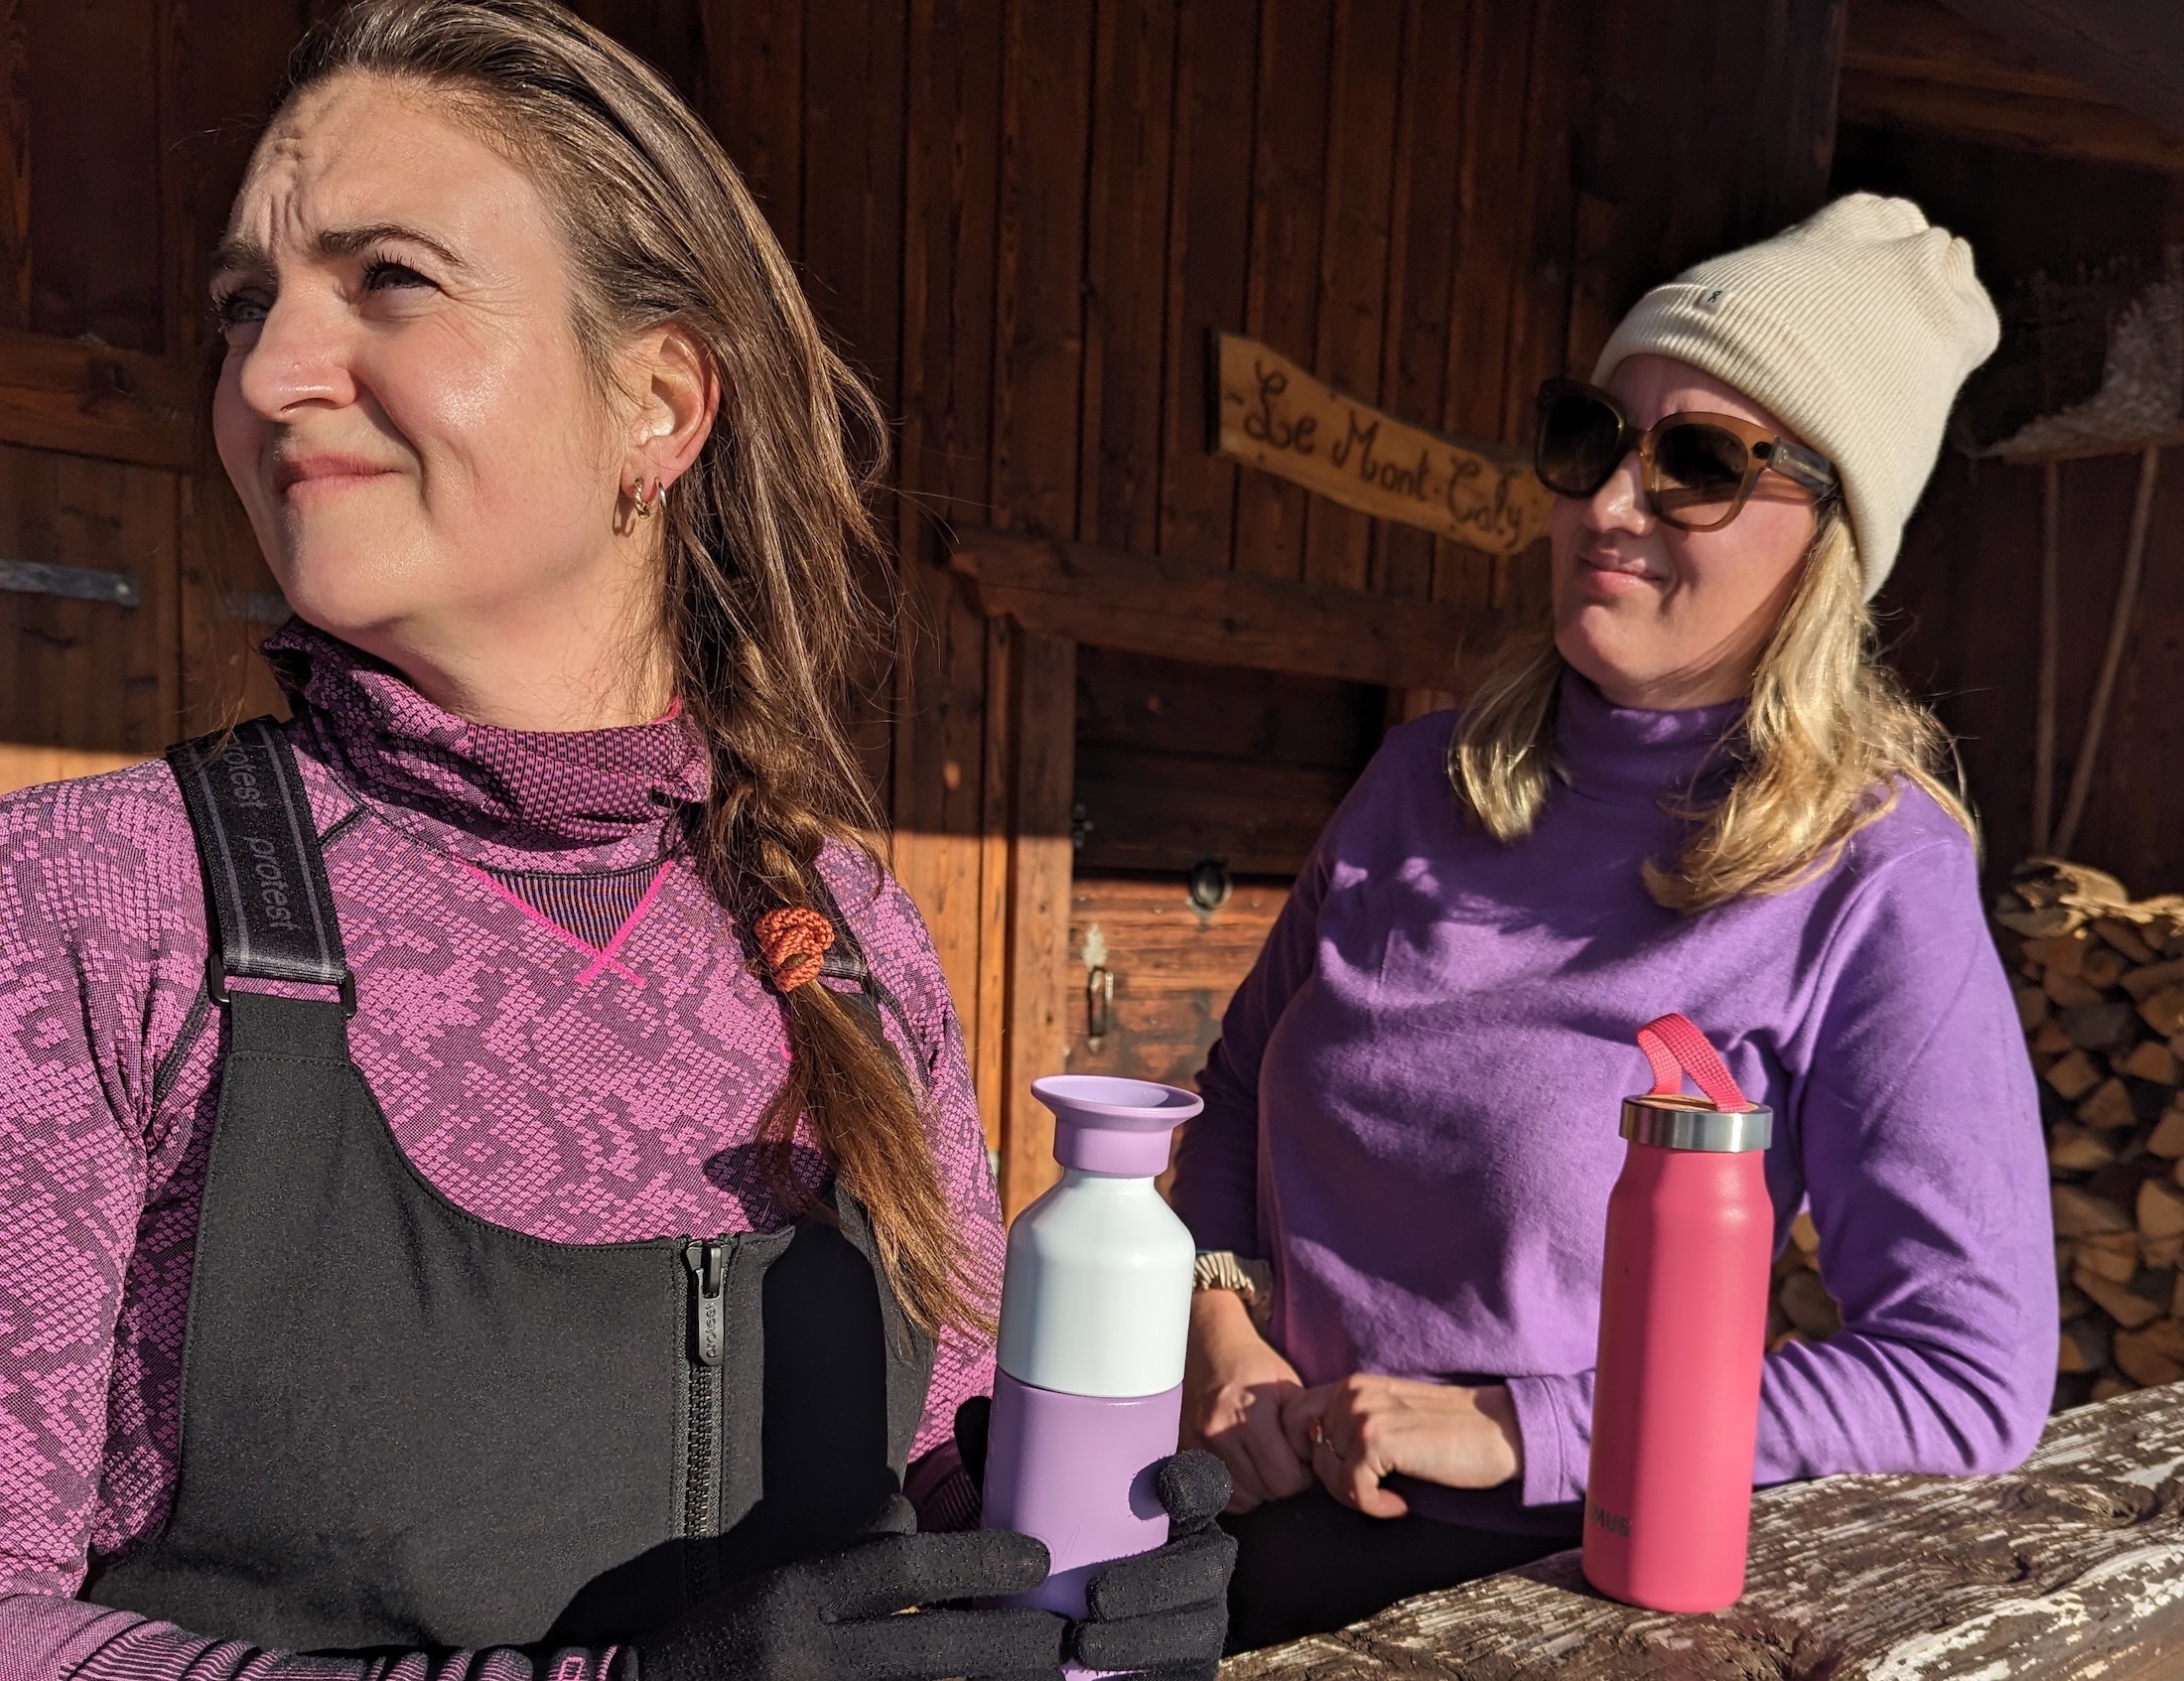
(1118, 1127)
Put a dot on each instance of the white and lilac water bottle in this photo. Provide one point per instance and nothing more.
(1095, 1312)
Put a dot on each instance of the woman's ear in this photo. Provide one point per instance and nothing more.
(679, 397)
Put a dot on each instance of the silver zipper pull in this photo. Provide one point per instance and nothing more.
(707, 1259)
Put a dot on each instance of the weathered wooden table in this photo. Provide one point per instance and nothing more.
(2072, 1567)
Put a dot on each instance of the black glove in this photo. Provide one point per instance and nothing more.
(1163, 1613)
(832, 1618)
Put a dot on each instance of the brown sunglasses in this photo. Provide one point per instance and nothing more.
(1697, 470)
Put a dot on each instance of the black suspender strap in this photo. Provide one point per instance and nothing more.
(264, 874)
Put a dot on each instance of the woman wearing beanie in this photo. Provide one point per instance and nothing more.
(492, 1185)
(1696, 791)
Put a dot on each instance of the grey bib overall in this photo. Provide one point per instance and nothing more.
(404, 1426)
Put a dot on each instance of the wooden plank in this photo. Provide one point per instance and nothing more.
(944, 752)
(1482, 276)
(2124, 50)
(95, 400)
(1421, 252)
(951, 189)
(1166, 811)
(754, 92)
(2061, 128)
(1288, 190)
(1037, 1043)
(1176, 949)
(1178, 760)
(1127, 700)
(1278, 418)
(1794, 114)
(2069, 1568)
(95, 265)
(1038, 412)
(853, 152)
(1354, 244)
(952, 763)
(1208, 239)
(988, 1001)
(1039, 288)
(1927, 42)
(1538, 313)
(1126, 272)
(15, 166)
(852, 162)
(187, 213)
(1183, 610)
(24, 766)
(183, 315)
(80, 675)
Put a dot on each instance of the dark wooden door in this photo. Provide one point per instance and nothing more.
(1200, 791)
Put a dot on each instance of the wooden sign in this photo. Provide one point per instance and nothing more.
(1278, 418)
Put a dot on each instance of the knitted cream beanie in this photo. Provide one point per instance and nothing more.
(1855, 327)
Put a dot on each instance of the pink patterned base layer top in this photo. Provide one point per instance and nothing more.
(556, 1015)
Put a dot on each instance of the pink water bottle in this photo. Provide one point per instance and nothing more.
(1683, 1332)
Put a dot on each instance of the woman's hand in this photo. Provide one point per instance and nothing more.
(1361, 1428)
(1234, 1384)
(885, 1607)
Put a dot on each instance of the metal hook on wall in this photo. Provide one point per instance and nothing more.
(1099, 1004)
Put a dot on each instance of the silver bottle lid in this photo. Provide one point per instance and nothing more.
(1677, 1122)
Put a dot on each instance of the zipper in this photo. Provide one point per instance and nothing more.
(706, 1260)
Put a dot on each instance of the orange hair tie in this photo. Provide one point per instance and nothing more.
(793, 941)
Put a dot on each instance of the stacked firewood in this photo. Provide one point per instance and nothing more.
(2101, 993)
(2100, 986)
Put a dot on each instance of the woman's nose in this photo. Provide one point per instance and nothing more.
(1620, 505)
(299, 358)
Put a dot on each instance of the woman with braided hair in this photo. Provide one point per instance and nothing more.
(493, 1185)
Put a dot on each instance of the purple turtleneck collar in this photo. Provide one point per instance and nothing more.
(525, 790)
(1623, 756)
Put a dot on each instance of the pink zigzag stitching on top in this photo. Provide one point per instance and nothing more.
(602, 959)
(606, 958)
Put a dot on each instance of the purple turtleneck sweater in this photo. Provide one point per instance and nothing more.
(1412, 1110)
(564, 1039)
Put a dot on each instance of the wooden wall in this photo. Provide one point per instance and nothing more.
(2044, 182)
(1431, 203)
(1023, 217)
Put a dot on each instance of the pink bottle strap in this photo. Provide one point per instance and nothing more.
(1675, 1047)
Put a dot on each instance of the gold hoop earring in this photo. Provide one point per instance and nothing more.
(644, 509)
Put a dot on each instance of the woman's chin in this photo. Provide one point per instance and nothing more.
(1598, 650)
(345, 600)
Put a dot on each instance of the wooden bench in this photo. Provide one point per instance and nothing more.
(2072, 1567)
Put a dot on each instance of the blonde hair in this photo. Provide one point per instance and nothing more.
(1828, 738)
